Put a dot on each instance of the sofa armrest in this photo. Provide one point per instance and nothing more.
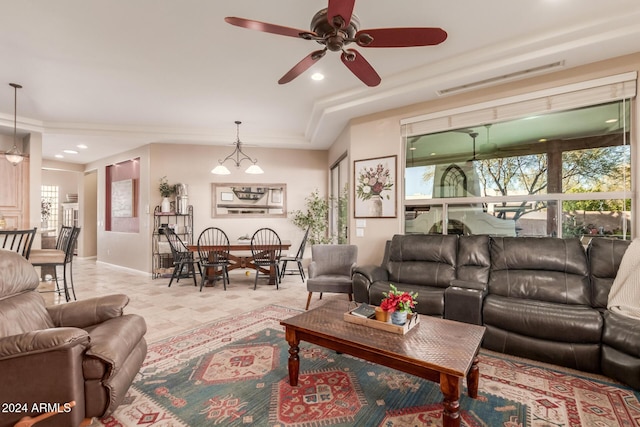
(463, 301)
(372, 273)
(112, 341)
(363, 276)
(80, 314)
(312, 269)
(41, 341)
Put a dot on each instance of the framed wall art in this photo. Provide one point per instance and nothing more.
(375, 187)
(122, 198)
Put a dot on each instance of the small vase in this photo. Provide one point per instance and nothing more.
(165, 206)
(375, 207)
(399, 318)
(381, 315)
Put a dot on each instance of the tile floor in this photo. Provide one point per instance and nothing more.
(170, 311)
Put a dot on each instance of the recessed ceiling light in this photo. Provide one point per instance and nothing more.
(82, 146)
(59, 156)
(317, 76)
(542, 140)
(433, 154)
(611, 121)
(70, 151)
(412, 148)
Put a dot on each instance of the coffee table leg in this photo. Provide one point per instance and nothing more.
(473, 377)
(294, 359)
(450, 387)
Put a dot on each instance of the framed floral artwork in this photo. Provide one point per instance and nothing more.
(375, 187)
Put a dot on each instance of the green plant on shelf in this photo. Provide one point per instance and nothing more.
(165, 189)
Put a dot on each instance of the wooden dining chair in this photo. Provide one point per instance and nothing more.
(213, 247)
(297, 258)
(62, 256)
(266, 248)
(182, 257)
(19, 241)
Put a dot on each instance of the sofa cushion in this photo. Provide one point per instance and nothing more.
(605, 256)
(543, 320)
(21, 309)
(16, 274)
(622, 333)
(474, 258)
(540, 268)
(423, 259)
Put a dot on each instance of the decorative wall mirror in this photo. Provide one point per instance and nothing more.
(248, 200)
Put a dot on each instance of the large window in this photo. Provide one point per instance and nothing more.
(565, 173)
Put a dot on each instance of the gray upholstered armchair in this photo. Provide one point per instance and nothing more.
(331, 269)
(85, 351)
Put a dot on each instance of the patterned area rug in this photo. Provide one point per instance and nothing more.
(234, 373)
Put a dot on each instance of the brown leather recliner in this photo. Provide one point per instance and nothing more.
(85, 351)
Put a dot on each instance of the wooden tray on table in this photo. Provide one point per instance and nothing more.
(412, 320)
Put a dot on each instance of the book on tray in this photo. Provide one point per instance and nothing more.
(365, 310)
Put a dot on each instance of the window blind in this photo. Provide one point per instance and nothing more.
(567, 97)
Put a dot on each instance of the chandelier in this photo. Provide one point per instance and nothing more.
(14, 156)
(237, 156)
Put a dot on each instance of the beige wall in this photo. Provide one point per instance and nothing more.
(129, 250)
(88, 246)
(380, 135)
(302, 171)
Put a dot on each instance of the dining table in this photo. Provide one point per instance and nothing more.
(240, 256)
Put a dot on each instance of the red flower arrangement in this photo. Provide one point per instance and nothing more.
(396, 300)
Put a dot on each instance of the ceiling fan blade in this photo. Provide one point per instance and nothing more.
(360, 67)
(265, 27)
(340, 8)
(302, 66)
(400, 37)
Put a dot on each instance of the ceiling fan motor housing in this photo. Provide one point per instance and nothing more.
(335, 39)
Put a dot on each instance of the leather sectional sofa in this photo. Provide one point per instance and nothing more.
(85, 351)
(540, 298)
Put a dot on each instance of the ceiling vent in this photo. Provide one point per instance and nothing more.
(530, 72)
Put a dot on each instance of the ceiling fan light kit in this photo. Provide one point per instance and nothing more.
(336, 27)
(237, 156)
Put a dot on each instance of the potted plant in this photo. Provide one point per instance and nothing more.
(399, 304)
(166, 191)
(316, 217)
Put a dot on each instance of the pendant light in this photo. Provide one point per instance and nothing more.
(237, 156)
(14, 156)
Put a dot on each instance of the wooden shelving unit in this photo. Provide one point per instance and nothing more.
(182, 224)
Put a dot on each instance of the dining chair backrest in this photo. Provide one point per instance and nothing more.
(266, 246)
(213, 246)
(63, 237)
(69, 246)
(19, 241)
(303, 244)
(178, 248)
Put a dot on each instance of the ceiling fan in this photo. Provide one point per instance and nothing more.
(336, 27)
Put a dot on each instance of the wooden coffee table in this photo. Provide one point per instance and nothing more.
(439, 350)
